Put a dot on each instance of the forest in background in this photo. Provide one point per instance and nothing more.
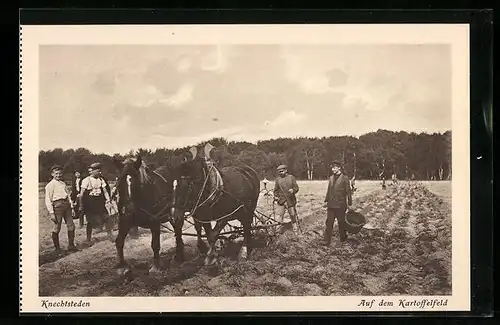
(420, 156)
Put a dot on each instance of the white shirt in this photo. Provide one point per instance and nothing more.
(95, 186)
(55, 190)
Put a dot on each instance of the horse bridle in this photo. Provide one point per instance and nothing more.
(159, 214)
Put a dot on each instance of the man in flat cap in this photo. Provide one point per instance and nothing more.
(285, 189)
(338, 197)
(60, 207)
(93, 196)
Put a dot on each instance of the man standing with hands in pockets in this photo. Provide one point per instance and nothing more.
(60, 207)
(338, 197)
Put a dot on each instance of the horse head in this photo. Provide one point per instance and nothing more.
(131, 177)
(189, 181)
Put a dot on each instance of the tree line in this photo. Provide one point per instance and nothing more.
(371, 156)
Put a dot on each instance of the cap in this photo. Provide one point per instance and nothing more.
(281, 167)
(337, 163)
(95, 166)
(55, 167)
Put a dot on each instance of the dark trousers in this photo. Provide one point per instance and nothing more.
(332, 214)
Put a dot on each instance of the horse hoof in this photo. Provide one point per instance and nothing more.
(155, 269)
(243, 253)
(210, 260)
(124, 271)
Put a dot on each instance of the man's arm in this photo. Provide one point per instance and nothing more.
(348, 191)
(105, 190)
(83, 187)
(327, 191)
(49, 191)
(295, 186)
(276, 187)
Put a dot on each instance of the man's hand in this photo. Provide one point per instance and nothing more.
(52, 217)
(290, 190)
(73, 213)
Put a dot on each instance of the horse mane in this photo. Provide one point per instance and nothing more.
(143, 174)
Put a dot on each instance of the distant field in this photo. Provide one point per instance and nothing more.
(383, 259)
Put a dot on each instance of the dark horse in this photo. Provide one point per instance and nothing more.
(210, 194)
(145, 199)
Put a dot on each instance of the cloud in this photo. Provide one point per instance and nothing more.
(181, 97)
(288, 118)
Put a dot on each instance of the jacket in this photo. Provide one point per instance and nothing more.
(338, 192)
(74, 192)
(282, 186)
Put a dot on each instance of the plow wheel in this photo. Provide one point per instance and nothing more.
(228, 235)
(264, 227)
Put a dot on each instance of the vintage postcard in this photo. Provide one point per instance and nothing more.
(245, 168)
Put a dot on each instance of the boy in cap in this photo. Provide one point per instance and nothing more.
(93, 197)
(60, 207)
(338, 197)
(285, 188)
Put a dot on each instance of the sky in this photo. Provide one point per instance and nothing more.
(114, 98)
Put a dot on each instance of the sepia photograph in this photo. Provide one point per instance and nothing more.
(225, 168)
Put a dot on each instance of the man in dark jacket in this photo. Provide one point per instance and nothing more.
(76, 184)
(338, 197)
(285, 189)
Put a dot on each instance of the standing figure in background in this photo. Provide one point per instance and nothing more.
(338, 198)
(93, 197)
(76, 185)
(285, 189)
(60, 207)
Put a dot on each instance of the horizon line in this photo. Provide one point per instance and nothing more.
(241, 141)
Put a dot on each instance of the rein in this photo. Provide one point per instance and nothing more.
(198, 204)
(161, 213)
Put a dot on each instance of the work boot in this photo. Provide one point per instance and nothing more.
(71, 240)
(55, 240)
(89, 234)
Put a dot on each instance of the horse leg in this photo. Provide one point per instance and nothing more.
(247, 237)
(212, 239)
(123, 229)
(155, 245)
(179, 243)
(202, 247)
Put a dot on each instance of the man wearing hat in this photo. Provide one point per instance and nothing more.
(285, 188)
(60, 207)
(93, 197)
(338, 197)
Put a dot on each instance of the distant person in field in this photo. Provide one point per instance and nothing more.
(93, 197)
(285, 189)
(338, 198)
(60, 207)
(76, 185)
(394, 178)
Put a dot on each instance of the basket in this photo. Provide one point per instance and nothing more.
(354, 221)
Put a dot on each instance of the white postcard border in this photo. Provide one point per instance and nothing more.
(33, 36)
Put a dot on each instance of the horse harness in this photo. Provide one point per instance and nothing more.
(214, 197)
(161, 213)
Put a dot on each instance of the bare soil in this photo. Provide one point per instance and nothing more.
(404, 249)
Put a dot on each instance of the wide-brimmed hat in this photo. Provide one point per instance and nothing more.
(55, 167)
(281, 167)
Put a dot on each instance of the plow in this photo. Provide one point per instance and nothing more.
(264, 225)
